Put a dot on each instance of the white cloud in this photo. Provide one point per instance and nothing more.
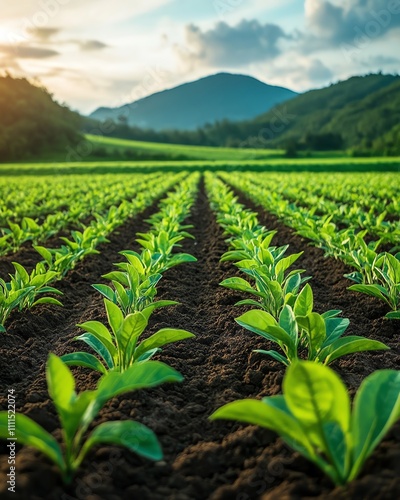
(348, 20)
(247, 42)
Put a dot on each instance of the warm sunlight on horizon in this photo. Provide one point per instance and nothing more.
(95, 53)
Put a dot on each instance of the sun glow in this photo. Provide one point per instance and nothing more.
(10, 37)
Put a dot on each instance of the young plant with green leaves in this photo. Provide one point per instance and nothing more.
(77, 412)
(364, 257)
(387, 283)
(25, 291)
(159, 248)
(299, 329)
(315, 418)
(121, 347)
(134, 285)
(29, 229)
(274, 287)
(38, 281)
(10, 300)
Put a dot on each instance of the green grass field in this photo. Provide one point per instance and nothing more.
(178, 151)
(175, 157)
(380, 164)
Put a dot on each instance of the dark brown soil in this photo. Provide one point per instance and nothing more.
(203, 459)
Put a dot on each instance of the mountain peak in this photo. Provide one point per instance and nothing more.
(206, 100)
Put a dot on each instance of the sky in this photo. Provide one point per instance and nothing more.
(91, 53)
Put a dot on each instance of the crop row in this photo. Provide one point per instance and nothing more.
(25, 290)
(377, 216)
(314, 414)
(377, 273)
(77, 207)
(127, 364)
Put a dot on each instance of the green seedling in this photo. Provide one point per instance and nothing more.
(77, 412)
(314, 416)
(121, 348)
(299, 329)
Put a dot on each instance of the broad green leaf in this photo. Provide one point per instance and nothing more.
(16, 297)
(241, 285)
(106, 291)
(60, 381)
(61, 386)
(393, 267)
(123, 301)
(335, 327)
(286, 262)
(83, 359)
(101, 333)
(147, 355)
(138, 376)
(257, 322)
(393, 315)
(100, 347)
(372, 290)
(44, 253)
(135, 261)
(233, 255)
(30, 433)
(305, 302)
(129, 434)
(49, 289)
(248, 302)
(247, 264)
(22, 272)
(315, 395)
(147, 311)
(114, 315)
(287, 322)
(349, 345)
(162, 337)
(265, 256)
(117, 276)
(314, 325)
(132, 327)
(376, 409)
(331, 314)
(337, 443)
(180, 258)
(47, 300)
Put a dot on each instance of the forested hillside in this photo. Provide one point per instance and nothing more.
(32, 124)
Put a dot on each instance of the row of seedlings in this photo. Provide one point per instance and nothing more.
(376, 273)
(25, 290)
(314, 414)
(126, 364)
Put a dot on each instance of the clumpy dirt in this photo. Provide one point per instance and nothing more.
(202, 459)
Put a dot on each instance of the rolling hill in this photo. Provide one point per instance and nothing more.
(362, 112)
(192, 105)
(359, 110)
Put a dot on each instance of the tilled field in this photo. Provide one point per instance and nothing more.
(202, 459)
